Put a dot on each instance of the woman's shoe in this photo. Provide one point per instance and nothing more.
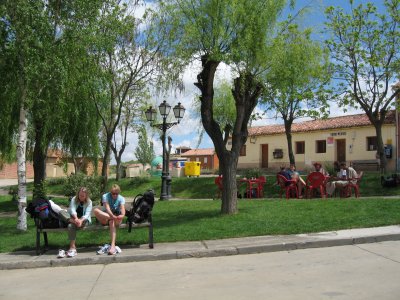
(61, 253)
(114, 252)
(104, 249)
(72, 253)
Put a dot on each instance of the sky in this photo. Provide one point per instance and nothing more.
(187, 132)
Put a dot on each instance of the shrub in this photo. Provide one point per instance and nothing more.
(75, 181)
(137, 181)
(250, 173)
(56, 181)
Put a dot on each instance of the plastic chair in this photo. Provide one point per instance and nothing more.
(286, 185)
(261, 182)
(218, 183)
(354, 185)
(315, 181)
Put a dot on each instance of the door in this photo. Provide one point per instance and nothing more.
(341, 150)
(264, 156)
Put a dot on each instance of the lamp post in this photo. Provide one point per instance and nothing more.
(150, 113)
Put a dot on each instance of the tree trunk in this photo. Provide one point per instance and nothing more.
(39, 162)
(21, 159)
(381, 149)
(288, 131)
(118, 168)
(104, 168)
(229, 183)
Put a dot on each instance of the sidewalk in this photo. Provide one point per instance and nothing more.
(210, 248)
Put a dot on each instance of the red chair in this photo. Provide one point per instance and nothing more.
(261, 182)
(353, 185)
(218, 183)
(315, 181)
(289, 186)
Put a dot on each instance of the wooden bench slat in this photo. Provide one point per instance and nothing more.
(96, 227)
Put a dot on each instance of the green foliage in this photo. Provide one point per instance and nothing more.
(365, 52)
(144, 151)
(138, 181)
(55, 181)
(39, 190)
(252, 173)
(76, 181)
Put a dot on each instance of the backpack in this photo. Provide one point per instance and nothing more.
(141, 208)
(40, 209)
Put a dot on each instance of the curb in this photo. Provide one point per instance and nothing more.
(201, 249)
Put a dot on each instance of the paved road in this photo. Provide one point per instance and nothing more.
(367, 271)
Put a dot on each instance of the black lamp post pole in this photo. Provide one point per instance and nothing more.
(165, 174)
(150, 113)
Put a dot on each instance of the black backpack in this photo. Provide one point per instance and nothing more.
(141, 208)
(40, 209)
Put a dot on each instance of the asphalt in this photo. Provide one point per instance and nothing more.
(198, 249)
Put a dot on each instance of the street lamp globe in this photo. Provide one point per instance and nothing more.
(179, 111)
(164, 109)
(150, 114)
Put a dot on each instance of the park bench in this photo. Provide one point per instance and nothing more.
(362, 164)
(92, 227)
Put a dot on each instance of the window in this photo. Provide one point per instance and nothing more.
(243, 151)
(205, 160)
(320, 146)
(372, 143)
(300, 147)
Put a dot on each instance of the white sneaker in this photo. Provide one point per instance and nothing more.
(61, 253)
(104, 249)
(71, 253)
(118, 249)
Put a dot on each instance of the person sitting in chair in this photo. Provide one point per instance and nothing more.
(342, 179)
(294, 175)
(318, 168)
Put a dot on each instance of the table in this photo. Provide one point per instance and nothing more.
(251, 184)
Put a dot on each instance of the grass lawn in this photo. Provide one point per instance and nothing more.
(201, 220)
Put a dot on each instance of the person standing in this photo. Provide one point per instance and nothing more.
(112, 212)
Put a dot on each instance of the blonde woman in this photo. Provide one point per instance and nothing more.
(112, 212)
(78, 216)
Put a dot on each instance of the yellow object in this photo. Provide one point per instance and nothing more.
(192, 168)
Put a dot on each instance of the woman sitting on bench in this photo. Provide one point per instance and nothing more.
(112, 212)
(77, 216)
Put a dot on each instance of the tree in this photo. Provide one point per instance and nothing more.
(144, 151)
(34, 76)
(298, 71)
(233, 32)
(128, 58)
(365, 53)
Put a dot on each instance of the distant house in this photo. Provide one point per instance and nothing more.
(207, 157)
(57, 165)
(181, 149)
(348, 138)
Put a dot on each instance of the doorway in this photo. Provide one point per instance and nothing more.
(264, 156)
(341, 150)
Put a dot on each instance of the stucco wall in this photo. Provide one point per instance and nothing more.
(355, 139)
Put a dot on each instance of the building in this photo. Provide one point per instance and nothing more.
(350, 138)
(207, 157)
(57, 165)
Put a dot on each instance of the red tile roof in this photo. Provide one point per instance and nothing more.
(199, 152)
(359, 120)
